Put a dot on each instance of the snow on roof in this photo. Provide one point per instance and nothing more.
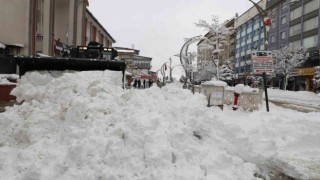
(215, 83)
(9, 76)
(125, 51)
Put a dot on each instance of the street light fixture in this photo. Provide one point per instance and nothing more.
(266, 20)
(185, 59)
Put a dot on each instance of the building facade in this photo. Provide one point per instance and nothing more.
(249, 37)
(209, 51)
(295, 25)
(279, 13)
(204, 51)
(138, 66)
(48, 26)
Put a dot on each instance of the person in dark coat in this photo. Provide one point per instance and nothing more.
(144, 83)
(135, 83)
(139, 83)
(150, 82)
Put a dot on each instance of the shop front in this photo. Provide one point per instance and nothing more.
(304, 79)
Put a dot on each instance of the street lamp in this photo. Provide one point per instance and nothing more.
(184, 58)
(163, 72)
(266, 21)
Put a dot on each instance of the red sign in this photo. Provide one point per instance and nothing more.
(267, 21)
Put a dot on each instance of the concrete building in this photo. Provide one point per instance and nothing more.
(206, 50)
(295, 25)
(229, 48)
(249, 37)
(304, 32)
(279, 13)
(48, 27)
(138, 66)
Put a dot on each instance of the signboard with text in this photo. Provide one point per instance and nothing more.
(262, 61)
(216, 97)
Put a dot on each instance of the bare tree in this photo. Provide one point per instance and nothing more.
(218, 39)
(286, 59)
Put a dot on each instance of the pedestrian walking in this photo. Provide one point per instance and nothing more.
(139, 83)
(150, 82)
(135, 83)
(144, 83)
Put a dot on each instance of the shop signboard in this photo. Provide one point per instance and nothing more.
(306, 71)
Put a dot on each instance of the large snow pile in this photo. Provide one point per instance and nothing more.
(83, 125)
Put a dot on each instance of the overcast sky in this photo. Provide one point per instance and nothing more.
(158, 27)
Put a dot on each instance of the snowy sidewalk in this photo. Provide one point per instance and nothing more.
(302, 101)
(295, 106)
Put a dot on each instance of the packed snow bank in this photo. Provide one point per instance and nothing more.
(83, 125)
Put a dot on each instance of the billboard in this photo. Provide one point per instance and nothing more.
(262, 61)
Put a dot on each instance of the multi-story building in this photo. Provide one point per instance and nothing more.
(138, 66)
(279, 13)
(48, 26)
(295, 25)
(229, 48)
(208, 51)
(249, 37)
(204, 51)
(304, 32)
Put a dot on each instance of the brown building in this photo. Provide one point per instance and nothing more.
(48, 26)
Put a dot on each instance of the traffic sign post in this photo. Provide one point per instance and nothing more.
(262, 63)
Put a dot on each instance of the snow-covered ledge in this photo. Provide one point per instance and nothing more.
(8, 79)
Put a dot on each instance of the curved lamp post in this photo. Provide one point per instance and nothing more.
(264, 15)
(184, 60)
(266, 21)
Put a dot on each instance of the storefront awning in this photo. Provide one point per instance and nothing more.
(144, 76)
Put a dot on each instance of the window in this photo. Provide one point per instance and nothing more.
(283, 20)
(296, 13)
(310, 24)
(310, 41)
(273, 38)
(295, 44)
(282, 35)
(310, 6)
(273, 11)
(273, 25)
(39, 16)
(294, 30)
(283, 6)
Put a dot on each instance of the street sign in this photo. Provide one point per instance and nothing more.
(216, 96)
(262, 61)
